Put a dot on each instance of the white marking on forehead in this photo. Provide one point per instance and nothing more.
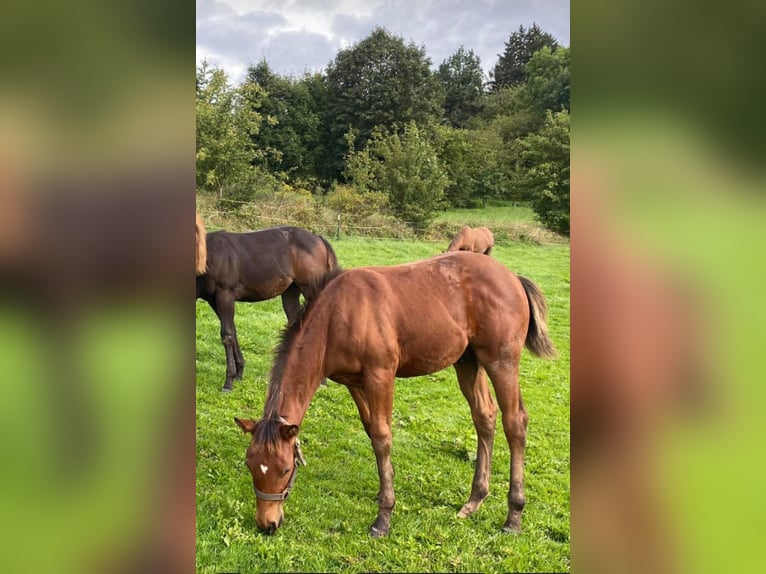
(264, 469)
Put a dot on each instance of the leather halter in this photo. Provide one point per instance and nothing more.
(298, 453)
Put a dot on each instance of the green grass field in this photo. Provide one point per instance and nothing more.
(333, 502)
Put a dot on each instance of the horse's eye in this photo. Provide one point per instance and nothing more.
(285, 471)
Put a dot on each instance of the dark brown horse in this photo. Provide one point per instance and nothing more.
(479, 240)
(257, 266)
(372, 324)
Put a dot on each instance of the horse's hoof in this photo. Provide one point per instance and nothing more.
(511, 529)
(470, 507)
(375, 533)
(227, 389)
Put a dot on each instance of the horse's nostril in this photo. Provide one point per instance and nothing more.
(271, 528)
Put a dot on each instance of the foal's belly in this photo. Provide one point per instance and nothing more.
(431, 356)
(266, 288)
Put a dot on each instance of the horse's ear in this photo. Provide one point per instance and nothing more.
(247, 425)
(288, 431)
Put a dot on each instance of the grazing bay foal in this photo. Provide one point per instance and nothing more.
(372, 324)
(479, 240)
(257, 266)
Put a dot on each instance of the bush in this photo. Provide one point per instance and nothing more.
(405, 167)
(352, 205)
(252, 184)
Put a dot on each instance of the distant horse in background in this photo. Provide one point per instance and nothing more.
(257, 266)
(479, 240)
(372, 324)
(201, 246)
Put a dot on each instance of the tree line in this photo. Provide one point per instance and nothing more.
(380, 129)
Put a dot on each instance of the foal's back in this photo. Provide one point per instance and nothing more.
(262, 264)
(421, 316)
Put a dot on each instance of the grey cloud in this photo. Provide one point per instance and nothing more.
(237, 37)
(352, 28)
(293, 53)
(207, 9)
(440, 25)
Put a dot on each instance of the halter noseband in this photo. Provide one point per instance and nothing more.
(298, 453)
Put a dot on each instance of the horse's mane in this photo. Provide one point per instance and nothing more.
(266, 432)
(201, 246)
(286, 339)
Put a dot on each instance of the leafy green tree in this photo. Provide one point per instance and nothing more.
(545, 159)
(547, 86)
(462, 78)
(510, 69)
(379, 81)
(515, 112)
(226, 120)
(474, 162)
(322, 154)
(404, 166)
(291, 131)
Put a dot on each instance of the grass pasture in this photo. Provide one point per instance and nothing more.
(333, 501)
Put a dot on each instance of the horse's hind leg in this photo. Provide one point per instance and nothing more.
(291, 302)
(505, 379)
(224, 308)
(473, 384)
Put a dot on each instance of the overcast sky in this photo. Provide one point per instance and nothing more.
(295, 36)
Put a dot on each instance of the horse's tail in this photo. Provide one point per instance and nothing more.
(332, 259)
(201, 247)
(538, 341)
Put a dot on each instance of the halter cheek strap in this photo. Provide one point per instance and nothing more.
(299, 459)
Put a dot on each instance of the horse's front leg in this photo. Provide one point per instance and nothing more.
(239, 359)
(224, 308)
(357, 393)
(381, 443)
(380, 397)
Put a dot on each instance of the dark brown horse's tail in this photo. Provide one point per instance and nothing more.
(538, 341)
(201, 247)
(332, 259)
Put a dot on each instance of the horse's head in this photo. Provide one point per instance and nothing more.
(461, 241)
(272, 457)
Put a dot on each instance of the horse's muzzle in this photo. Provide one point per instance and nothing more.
(272, 526)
